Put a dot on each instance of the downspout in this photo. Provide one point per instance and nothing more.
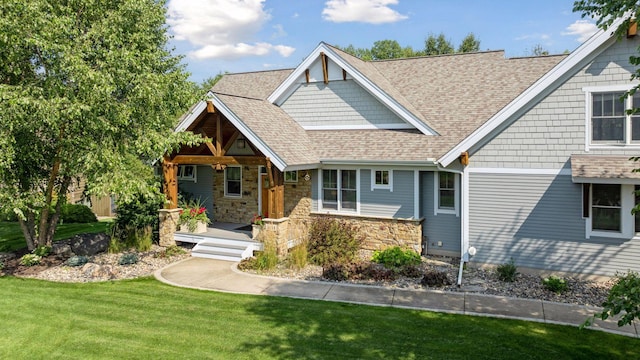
(464, 256)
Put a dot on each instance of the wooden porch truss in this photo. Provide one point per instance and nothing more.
(220, 135)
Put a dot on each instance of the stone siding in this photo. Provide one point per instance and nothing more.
(168, 223)
(236, 209)
(297, 198)
(380, 233)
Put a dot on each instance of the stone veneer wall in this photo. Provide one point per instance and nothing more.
(232, 209)
(380, 233)
(168, 223)
(297, 198)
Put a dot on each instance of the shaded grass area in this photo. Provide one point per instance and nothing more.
(11, 237)
(145, 319)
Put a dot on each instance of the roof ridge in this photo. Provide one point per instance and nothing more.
(238, 96)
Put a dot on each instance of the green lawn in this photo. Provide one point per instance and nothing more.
(11, 237)
(145, 319)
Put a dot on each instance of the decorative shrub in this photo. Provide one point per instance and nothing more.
(268, 258)
(434, 278)
(42, 251)
(77, 261)
(395, 257)
(170, 251)
(357, 271)
(555, 284)
(411, 271)
(332, 241)
(140, 239)
(30, 260)
(248, 264)
(298, 257)
(192, 213)
(128, 259)
(136, 220)
(76, 213)
(1, 264)
(507, 272)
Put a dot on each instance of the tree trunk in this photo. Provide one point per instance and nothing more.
(28, 227)
(53, 222)
(44, 214)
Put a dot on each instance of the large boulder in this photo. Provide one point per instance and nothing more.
(95, 271)
(62, 248)
(90, 244)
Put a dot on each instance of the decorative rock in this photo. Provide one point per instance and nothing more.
(90, 244)
(92, 270)
(62, 248)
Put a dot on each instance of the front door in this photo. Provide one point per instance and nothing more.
(264, 181)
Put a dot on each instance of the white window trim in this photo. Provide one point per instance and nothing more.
(292, 172)
(181, 175)
(226, 193)
(436, 195)
(339, 187)
(379, 186)
(588, 91)
(627, 202)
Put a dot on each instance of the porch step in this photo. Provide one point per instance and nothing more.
(224, 249)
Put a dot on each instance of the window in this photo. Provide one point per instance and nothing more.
(445, 193)
(609, 121)
(606, 207)
(187, 172)
(340, 190)
(233, 181)
(291, 176)
(382, 179)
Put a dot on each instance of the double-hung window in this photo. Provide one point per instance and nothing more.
(340, 189)
(445, 193)
(609, 121)
(233, 181)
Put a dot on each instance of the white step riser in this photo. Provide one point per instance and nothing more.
(215, 257)
(232, 242)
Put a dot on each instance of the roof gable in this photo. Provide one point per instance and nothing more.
(337, 67)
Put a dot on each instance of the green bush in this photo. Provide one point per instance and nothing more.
(623, 298)
(507, 272)
(42, 251)
(1, 264)
(76, 213)
(395, 257)
(555, 284)
(136, 223)
(128, 259)
(77, 261)
(332, 241)
(30, 260)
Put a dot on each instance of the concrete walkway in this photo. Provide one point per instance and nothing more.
(217, 275)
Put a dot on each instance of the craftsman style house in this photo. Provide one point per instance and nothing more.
(513, 158)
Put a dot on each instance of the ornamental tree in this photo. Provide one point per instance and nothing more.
(88, 89)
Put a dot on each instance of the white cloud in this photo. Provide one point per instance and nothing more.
(279, 31)
(583, 29)
(222, 29)
(366, 11)
(534, 37)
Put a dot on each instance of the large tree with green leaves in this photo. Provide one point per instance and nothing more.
(88, 89)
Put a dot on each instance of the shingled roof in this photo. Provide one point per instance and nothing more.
(452, 94)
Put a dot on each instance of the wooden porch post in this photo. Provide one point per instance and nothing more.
(170, 181)
(276, 191)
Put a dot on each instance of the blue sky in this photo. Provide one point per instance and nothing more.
(252, 35)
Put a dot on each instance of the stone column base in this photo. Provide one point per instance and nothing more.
(168, 223)
(280, 230)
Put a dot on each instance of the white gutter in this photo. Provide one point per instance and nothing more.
(429, 161)
(464, 239)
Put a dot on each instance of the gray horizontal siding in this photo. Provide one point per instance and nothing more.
(443, 228)
(398, 203)
(201, 189)
(338, 103)
(536, 220)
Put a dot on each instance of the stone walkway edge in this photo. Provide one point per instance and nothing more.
(223, 276)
